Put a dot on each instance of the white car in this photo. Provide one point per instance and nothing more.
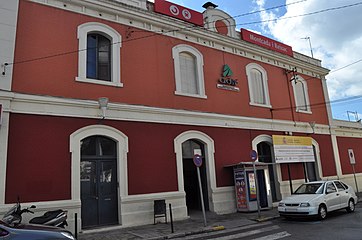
(318, 198)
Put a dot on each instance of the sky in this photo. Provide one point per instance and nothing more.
(334, 30)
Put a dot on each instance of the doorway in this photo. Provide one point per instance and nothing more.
(98, 178)
(265, 156)
(311, 168)
(191, 184)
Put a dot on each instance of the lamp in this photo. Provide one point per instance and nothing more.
(103, 103)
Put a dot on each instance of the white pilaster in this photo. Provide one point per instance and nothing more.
(4, 132)
(8, 22)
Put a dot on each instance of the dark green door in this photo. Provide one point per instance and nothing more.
(98, 169)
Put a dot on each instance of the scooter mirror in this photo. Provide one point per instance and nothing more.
(32, 206)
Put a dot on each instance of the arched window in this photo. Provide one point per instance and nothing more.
(99, 54)
(189, 76)
(98, 57)
(300, 89)
(258, 85)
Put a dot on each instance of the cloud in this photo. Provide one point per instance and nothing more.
(336, 38)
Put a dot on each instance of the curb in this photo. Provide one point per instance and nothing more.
(184, 234)
(264, 219)
(208, 229)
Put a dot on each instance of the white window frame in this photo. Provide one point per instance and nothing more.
(199, 70)
(249, 68)
(116, 41)
(306, 94)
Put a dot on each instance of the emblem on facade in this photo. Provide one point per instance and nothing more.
(186, 13)
(174, 10)
(226, 82)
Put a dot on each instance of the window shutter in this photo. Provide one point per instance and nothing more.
(301, 96)
(258, 86)
(188, 73)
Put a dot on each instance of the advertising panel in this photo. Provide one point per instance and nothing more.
(252, 186)
(266, 42)
(240, 189)
(293, 149)
(179, 12)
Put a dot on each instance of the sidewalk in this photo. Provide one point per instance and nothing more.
(193, 225)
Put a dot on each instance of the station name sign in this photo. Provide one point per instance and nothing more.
(266, 42)
(179, 12)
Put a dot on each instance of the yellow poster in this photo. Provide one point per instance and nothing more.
(289, 149)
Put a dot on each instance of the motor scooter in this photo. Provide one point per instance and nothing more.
(57, 218)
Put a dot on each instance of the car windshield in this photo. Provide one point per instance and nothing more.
(310, 188)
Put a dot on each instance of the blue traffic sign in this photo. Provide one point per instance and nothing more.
(197, 160)
(253, 155)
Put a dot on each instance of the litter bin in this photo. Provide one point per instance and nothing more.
(246, 188)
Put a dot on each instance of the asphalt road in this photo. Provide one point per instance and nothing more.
(339, 225)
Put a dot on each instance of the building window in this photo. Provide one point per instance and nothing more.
(99, 54)
(98, 57)
(189, 76)
(258, 85)
(300, 89)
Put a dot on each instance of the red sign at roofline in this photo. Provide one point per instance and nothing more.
(179, 12)
(266, 42)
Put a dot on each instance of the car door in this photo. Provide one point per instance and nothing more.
(343, 194)
(332, 197)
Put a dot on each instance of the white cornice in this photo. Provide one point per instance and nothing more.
(54, 106)
(161, 24)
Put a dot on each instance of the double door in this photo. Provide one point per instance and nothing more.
(99, 184)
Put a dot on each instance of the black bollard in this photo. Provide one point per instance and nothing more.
(171, 219)
(76, 225)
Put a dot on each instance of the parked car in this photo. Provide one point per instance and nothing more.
(33, 232)
(318, 198)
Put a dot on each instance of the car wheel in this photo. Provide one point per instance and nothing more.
(322, 212)
(351, 206)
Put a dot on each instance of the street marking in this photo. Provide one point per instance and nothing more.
(229, 231)
(249, 233)
(274, 236)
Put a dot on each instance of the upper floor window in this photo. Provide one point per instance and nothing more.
(258, 85)
(98, 57)
(300, 89)
(189, 76)
(99, 54)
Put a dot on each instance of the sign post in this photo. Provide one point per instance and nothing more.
(352, 160)
(254, 157)
(198, 162)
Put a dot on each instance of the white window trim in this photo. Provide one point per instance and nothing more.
(269, 139)
(199, 71)
(116, 41)
(305, 86)
(122, 151)
(209, 161)
(249, 67)
(122, 172)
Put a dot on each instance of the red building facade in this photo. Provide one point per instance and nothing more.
(172, 88)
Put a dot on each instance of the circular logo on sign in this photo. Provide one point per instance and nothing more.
(174, 10)
(186, 13)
